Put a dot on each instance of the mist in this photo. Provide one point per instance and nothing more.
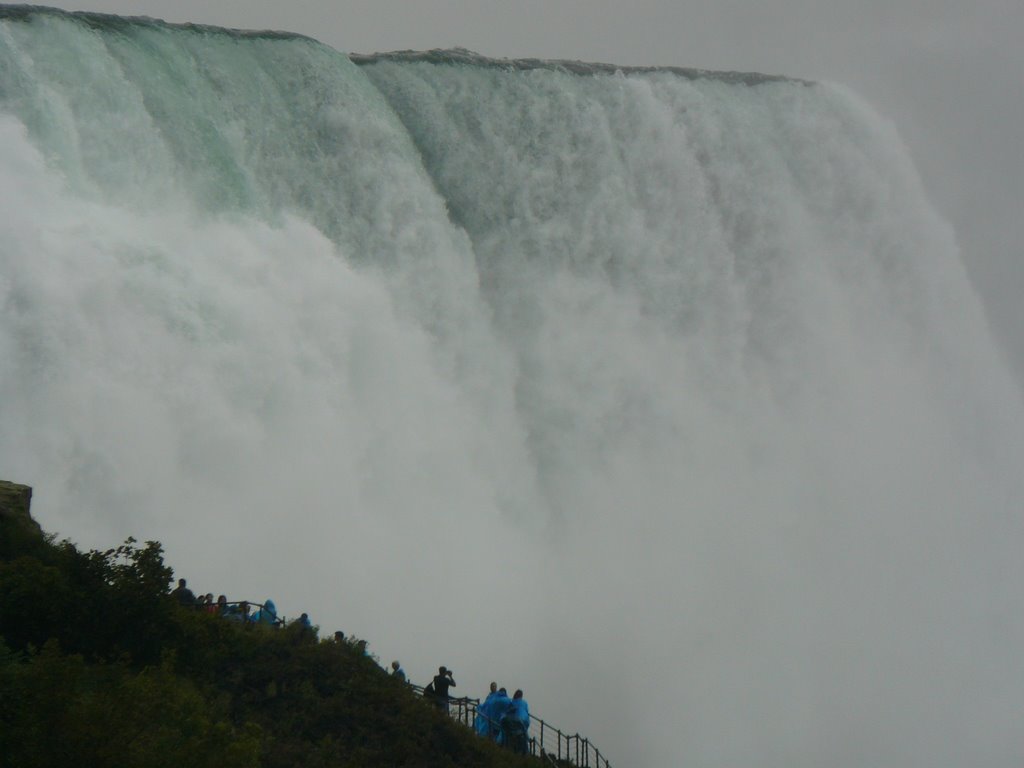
(667, 400)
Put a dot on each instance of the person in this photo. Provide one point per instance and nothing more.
(339, 637)
(209, 606)
(499, 706)
(184, 595)
(303, 629)
(238, 612)
(516, 724)
(483, 720)
(397, 672)
(222, 605)
(443, 680)
(266, 614)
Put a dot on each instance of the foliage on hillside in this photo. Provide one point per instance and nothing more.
(100, 666)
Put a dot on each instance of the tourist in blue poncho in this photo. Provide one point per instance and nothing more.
(498, 707)
(515, 724)
(267, 614)
(483, 713)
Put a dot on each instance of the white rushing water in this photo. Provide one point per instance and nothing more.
(662, 397)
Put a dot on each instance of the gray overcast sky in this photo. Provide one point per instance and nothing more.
(949, 74)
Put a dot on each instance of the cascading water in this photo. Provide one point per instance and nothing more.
(659, 394)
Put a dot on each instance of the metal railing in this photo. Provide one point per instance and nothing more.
(573, 749)
(548, 742)
(244, 611)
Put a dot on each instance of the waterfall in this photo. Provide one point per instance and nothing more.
(660, 394)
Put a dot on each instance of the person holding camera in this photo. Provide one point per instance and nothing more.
(443, 680)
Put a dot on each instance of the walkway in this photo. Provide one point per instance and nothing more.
(548, 742)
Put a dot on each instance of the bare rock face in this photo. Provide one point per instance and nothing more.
(15, 501)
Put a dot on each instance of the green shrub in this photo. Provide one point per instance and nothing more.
(99, 666)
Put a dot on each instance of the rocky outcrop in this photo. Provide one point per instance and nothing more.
(15, 501)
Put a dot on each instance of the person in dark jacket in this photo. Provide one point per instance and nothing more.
(184, 595)
(443, 680)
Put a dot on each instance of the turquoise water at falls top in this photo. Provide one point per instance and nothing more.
(660, 394)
